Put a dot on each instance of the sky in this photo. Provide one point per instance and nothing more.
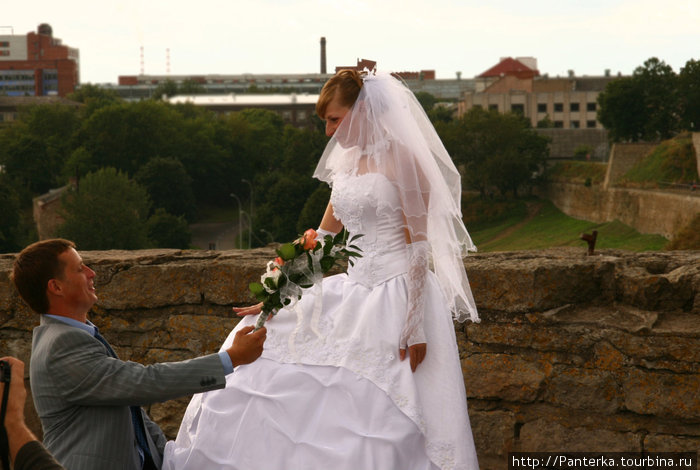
(283, 36)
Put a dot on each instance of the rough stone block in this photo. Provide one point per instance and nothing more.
(663, 394)
(503, 376)
(584, 389)
(548, 435)
(493, 431)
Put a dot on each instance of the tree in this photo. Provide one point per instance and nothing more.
(168, 185)
(314, 207)
(644, 106)
(282, 199)
(126, 135)
(426, 100)
(496, 150)
(168, 231)
(94, 98)
(659, 86)
(169, 88)
(689, 93)
(441, 115)
(34, 149)
(9, 217)
(545, 123)
(109, 211)
(621, 110)
(165, 89)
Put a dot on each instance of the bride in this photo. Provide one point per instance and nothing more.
(363, 372)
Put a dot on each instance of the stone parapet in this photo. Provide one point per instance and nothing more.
(573, 353)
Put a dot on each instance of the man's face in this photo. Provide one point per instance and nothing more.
(76, 283)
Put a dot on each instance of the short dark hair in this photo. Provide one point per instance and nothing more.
(34, 267)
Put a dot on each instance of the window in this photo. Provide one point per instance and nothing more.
(541, 107)
(559, 124)
(4, 53)
(558, 107)
(591, 124)
(518, 108)
(574, 107)
(590, 106)
(4, 44)
(301, 116)
(575, 124)
(477, 106)
(493, 107)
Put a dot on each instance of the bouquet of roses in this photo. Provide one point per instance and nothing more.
(299, 265)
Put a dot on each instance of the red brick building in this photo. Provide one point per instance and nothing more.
(37, 64)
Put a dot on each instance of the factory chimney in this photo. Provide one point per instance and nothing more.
(323, 55)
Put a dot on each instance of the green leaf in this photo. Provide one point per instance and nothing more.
(256, 288)
(287, 251)
(327, 263)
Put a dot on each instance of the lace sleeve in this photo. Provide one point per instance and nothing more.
(413, 332)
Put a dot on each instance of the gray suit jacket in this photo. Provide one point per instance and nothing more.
(82, 396)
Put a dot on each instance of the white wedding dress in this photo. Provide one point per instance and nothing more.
(330, 391)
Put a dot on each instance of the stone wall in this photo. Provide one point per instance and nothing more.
(648, 211)
(574, 352)
(565, 142)
(696, 144)
(623, 157)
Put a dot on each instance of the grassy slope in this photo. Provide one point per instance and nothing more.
(550, 228)
(672, 161)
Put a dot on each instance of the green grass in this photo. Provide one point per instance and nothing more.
(577, 171)
(552, 228)
(672, 161)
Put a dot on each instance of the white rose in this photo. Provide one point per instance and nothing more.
(272, 273)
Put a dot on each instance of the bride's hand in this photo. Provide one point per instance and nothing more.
(416, 354)
(249, 310)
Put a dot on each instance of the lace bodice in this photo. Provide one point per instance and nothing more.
(369, 204)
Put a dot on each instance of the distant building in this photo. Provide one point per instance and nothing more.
(295, 109)
(10, 105)
(515, 85)
(37, 64)
(135, 87)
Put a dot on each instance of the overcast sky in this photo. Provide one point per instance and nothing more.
(282, 36)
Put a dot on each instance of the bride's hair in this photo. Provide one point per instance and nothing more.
(346, 84)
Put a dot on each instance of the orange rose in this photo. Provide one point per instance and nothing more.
(308, 241)
(279, 261)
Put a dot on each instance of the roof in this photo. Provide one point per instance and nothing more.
(510, 66)
(246, 100)
(14, 101)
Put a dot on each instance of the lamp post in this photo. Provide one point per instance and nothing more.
(250, 185)
(240, 216)
(272, 238)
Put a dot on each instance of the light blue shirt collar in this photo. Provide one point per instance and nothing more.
(87, 326)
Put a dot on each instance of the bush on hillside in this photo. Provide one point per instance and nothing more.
(687, 238)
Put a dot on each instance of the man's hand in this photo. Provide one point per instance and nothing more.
(247, 346)
(416, 354)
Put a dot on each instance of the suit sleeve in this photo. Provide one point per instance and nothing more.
(34, 456)
(83, 373)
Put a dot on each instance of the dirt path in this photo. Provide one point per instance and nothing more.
(533, 208)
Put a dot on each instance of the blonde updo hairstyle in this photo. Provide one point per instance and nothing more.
(345, 84)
